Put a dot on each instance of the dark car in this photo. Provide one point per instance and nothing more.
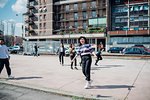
(141, 46)
(115, 50)
(136, 50)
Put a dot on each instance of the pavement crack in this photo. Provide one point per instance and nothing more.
(135, 80)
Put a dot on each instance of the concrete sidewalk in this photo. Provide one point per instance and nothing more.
(113, 79)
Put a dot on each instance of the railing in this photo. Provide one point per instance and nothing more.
(81, 9)
(133, 32)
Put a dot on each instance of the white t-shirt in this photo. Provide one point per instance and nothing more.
(61, 49)
(3, 52)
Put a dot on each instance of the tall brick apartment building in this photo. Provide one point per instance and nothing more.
(127, 21)
(66, 20)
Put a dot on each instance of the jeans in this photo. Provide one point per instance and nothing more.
(61, 57)
(75, 63)
(86, 66)
(99, 57)
(36, 54)
(6, 63)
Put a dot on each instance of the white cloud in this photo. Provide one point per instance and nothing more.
(19, 6)
(2, 3)
(19, 24)
(11, 20)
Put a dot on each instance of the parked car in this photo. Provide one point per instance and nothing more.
(136, 50)
(10, 49)
(141, 46)
(115, 50)
(14, 49)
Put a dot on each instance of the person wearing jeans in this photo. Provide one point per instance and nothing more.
(61, 52)
(85, 51)
(4, 58)
(72, 54)
(35, 50)
(99, 57)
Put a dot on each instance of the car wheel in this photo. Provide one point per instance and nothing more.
(109, 51)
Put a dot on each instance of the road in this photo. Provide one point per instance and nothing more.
(8, 92)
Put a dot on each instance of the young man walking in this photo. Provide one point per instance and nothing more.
(4, 59)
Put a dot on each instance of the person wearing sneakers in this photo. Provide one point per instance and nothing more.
(85, 51)
(4, 59)
(72, 54)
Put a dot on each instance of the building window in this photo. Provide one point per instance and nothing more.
(67, 7)
(44, 25)
(145, 7)
(75, 6)
(45, 9)
(84, 5)
(32, 3)
(94, 4)
(40, 17)
(75, 24)
(44, 32)
(40, 9)
(67, 16)
(40, 25)
(117, 1)
(67, 24)
(93, 14)
(40, 32)
(45, 1)
(84, 24)
(75, 15)
(84, 14)
(40, 2)
(44, 17)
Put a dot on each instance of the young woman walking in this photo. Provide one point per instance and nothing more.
(99, 57)
(72, 53)
(85, 51)
(61, 52)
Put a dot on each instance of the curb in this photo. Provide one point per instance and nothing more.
(52, 91)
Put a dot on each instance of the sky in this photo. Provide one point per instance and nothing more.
(11, 13)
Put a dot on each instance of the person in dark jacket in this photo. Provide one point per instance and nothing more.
(35, 50)
(99, 57)
(61, 53)
(72, 54)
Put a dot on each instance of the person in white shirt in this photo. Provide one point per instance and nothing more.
(4, 59)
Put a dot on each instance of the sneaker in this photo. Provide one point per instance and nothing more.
(71, 67)
(87, 86)
(91, 81)
(76, 68)
(96, 64)
(10, 77)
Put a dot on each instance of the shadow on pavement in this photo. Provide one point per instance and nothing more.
(105, 66)
(21, 78)
(98, 96)
(112, 87)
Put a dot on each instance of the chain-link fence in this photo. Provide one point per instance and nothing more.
(45, 47)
